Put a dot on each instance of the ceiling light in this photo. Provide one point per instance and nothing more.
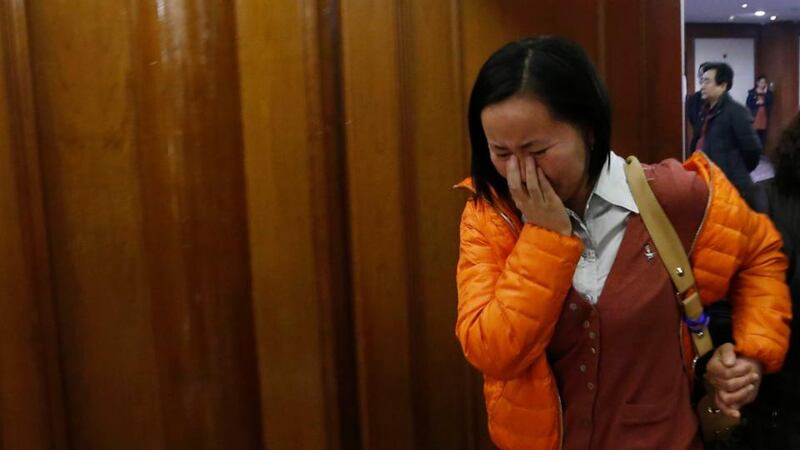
(731, 17)
(773, 17)
(759, 13)
(744, 5)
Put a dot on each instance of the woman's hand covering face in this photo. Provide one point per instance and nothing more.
(535, 197)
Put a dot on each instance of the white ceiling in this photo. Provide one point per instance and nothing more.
(707, 11)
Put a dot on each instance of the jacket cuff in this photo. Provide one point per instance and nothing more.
(567, 248)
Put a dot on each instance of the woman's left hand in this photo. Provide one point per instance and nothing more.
(735, 378)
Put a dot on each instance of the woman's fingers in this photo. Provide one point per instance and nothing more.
(532, 180)
(728, 410)
(548, 193)
(725, 365)
(734, 384)
(518, 192)
(731, 403)
(552, 202)
(740, 372)
(740, 397)
(735, 378)
(726, 353)
(532, 202)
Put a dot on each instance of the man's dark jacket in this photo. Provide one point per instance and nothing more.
(731, 142)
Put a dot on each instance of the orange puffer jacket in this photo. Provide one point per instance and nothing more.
(513, 278)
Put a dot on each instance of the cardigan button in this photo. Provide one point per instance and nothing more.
(594, 351)
(573, 306)
(590, 385)
(592, 335)
(586, 324)
(582, 368)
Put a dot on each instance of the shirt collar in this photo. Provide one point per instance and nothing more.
(612, 185)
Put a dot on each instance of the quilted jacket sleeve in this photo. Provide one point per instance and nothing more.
(507, 310)
(760, 296)
(738, 255)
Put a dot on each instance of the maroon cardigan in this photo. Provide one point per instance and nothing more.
(619, 363)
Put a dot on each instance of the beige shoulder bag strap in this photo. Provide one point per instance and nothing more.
(715, 426)
(672, 254)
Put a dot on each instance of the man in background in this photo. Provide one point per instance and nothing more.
(723, 128)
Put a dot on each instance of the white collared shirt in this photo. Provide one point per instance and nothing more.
(602, 228)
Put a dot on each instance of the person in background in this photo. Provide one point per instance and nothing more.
(774, 418)
(759, 101)
(562, 302)
(724, 129)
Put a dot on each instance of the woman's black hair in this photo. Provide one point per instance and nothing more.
(556, 72)
(786, 158)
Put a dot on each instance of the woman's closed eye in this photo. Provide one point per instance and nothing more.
(539, 152)
(501, 153)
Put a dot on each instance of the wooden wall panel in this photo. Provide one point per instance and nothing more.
(624, 76)
(288, 64)
(24, 389)
(93, 210)
(662, 113)
(435, 156)
(31, 409)
(191, 173)
(643, 75)
(486, 25)
(378, 182)
(139, 134)
(582, 22)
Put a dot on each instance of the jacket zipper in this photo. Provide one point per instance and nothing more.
(514, 229)
(560, 412)
(705, 216)
(508, 220)
(560, 420)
